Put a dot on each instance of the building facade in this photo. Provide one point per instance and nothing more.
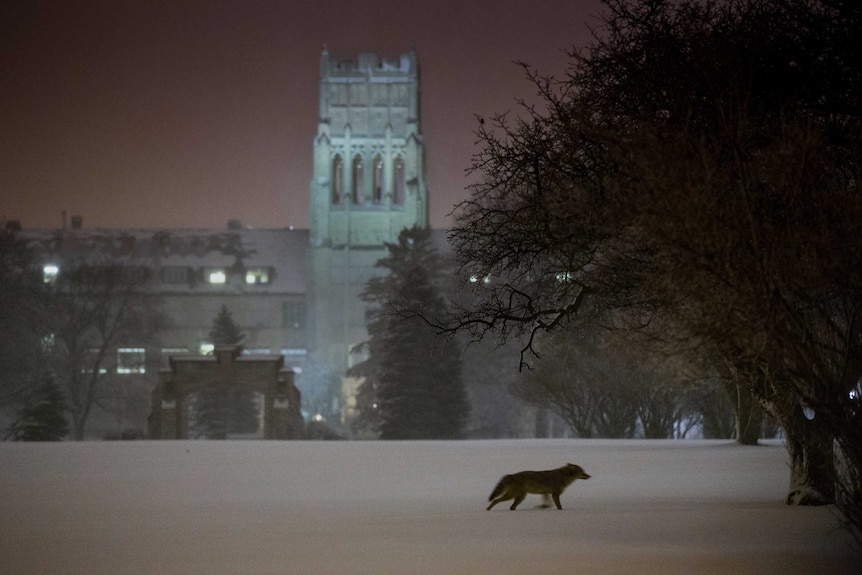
(292, 292)
(368, 185)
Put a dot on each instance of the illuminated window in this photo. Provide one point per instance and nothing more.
(49, 273)
(90, 360)
(358, 183)
(215, 276)
(257, 276)
(48, 342)
(174, 350)
(207, 348)
(398, 181)
(337, 179)
(288, 352)
(131, 360)
(257, 351)
(377, 193)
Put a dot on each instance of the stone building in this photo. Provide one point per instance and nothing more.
(292, 292)
(368, 185)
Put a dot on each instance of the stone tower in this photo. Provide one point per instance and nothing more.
(368, 185)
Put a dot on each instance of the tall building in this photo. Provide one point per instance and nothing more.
(368, 185)
(293, 292)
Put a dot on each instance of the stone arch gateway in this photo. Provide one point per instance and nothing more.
(226, 368)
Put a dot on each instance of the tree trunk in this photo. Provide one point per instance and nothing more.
(749, 416)
(78, 424)
(541, 422)
(812, 462)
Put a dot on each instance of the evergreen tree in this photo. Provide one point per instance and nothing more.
(42, 419)
(22, 318)
(224, 330)
(412, 377)
(223, 411)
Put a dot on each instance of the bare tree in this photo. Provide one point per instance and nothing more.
(95, 310)
(700, 162)
(495, 410)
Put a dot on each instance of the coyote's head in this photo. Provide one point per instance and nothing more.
(576, 471)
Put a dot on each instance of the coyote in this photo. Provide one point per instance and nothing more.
(551, 482)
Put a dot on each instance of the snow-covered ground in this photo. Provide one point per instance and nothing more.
(651, 507)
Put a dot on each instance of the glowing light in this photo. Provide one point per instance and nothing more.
(257, 276)
(49, 272)
(216, 277)
(131, 360)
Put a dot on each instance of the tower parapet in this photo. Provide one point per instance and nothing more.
(368, 156)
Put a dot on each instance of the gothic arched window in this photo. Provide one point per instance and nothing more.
(358, 180)
(377, 190)
(398, 181)
(337, 180)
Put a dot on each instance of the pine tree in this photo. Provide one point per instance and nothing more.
(42, 418)
(225, 330)
(219, 411)
(414, 377)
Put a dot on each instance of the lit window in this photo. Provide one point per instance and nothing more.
(216, 276)
(48, 342)
(49, 273)
(207, 348)
(257, 276)
(91, 360)
(131, 360)
(256, 351)
(293, 352)
(174, 350)
(563, 277)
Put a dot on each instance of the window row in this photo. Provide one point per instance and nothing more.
(215, 275)
(358, 193)
(132, 360)
(167, 274)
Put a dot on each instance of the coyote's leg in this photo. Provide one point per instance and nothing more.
(556, 497)
(504, 497)
(517, 501)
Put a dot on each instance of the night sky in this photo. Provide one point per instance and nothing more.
(185, 114)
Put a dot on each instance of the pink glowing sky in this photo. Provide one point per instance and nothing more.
(188, 113)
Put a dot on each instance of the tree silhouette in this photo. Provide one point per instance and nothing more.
(42, 418)
(698, 164)
(413, 385)
(219, 412)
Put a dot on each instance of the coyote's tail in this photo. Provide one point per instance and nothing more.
(498, 490)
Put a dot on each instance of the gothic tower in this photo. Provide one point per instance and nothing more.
(368, 185)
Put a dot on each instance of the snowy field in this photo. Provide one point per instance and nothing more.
(651, 507)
